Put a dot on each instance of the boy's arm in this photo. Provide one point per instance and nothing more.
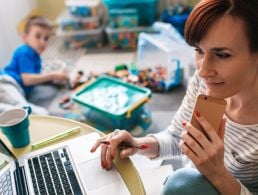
(33, 79)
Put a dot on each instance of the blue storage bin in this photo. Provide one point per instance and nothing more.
(178, 21)
(146, 8)
(177, 16)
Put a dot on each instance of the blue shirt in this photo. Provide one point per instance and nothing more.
(25, 60)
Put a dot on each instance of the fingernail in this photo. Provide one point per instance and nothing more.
(183, 124)
(197, 114)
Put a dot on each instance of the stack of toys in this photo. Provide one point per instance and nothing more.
(127, 19)
(81, 24)
(155, 78)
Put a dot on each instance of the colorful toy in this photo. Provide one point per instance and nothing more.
(78, 80)
(125, 38)
(123, 18)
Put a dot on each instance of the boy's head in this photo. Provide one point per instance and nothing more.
(37, 32)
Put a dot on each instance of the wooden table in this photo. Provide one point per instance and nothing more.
(42, 127)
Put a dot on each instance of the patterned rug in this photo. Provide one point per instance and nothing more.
(57, 56)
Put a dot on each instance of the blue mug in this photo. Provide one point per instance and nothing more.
(14, 124)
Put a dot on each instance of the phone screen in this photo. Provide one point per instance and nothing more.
(211, 108)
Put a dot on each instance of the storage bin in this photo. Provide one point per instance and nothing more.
(111, 103)
(127, 18)
(166, 51)
(68, 22)
(146, 8)
(178, 21)
(177, 16)
(125, 38)
(84, 8)
(82, 38)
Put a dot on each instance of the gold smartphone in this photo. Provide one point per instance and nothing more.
(211, 108)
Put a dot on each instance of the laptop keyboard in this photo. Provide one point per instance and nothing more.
(53, 173)
(6, 183)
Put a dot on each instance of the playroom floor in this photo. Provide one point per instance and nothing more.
(162, 105)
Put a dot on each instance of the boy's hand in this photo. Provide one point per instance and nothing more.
(60, 76)
(34, 79)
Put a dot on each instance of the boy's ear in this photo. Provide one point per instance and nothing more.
(24, 36)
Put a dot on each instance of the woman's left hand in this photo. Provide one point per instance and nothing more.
(205, 151)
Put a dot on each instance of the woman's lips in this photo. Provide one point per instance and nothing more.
(214, 84)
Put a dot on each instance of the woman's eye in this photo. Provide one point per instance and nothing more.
(198, 51)
(222, 55)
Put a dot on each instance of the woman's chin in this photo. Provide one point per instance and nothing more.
(215, 94)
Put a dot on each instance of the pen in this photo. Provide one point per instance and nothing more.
(56, 137)
(128, 145)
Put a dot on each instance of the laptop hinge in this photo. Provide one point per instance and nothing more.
(20, 180)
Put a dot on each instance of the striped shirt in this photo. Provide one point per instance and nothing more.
(241, 141)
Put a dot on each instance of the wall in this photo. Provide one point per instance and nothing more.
(11, 12)
(50, 8)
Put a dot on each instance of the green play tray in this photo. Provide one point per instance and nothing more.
(112, 97)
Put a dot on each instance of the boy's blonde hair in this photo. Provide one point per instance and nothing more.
(37, 21)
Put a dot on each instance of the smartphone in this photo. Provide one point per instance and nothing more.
(211, 108)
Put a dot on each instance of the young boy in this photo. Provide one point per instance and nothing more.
(23, 73)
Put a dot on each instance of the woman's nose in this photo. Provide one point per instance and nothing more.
(205, 68)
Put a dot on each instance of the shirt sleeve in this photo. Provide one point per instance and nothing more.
(169, 138)
(27, 63)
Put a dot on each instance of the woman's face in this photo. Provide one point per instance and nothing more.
(224, 60)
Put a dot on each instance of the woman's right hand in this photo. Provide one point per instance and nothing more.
(108, 151)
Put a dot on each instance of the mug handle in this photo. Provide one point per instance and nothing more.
(28, 109)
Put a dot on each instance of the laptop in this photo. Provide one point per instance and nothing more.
(65, 168)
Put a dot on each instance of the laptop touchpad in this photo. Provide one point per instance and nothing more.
(95, 176)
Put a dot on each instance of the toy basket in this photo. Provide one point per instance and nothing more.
(111, 103)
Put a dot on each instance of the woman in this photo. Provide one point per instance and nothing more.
(225, 36)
